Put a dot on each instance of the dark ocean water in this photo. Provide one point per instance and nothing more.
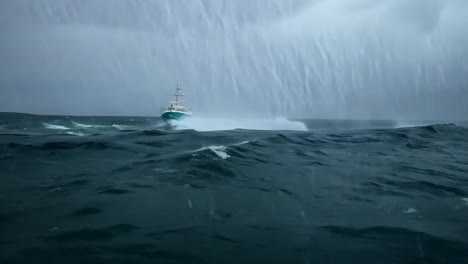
(131, 190)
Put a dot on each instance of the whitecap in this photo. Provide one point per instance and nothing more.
(465, 200)
(52, 126)
(220, 151)
(81, 125)
(75, 133)
(163, 170)
(242, 143)
(216, 124)
(194, 152)
(410, 211)
(119, 127)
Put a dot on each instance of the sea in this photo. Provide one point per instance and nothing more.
(138, 190)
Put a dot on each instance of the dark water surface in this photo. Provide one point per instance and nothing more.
(128, 190)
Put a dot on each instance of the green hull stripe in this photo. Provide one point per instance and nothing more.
(173, 116)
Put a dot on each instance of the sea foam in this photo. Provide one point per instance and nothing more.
(213, 124)
(52, 126)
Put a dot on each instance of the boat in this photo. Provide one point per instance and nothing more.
(175, 111)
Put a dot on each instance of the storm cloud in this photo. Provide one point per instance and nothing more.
(395, 59)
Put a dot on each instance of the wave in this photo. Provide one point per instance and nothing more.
(216, 124)
(465, 200)
(75, 133)
(220, 151)
(81, 125)
(76, 124)
(52, 126)
(399, 176)
(64, 145)
(410, 211)
(453, 131)
(100, 127)
(119, 127)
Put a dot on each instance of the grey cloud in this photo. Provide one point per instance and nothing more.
(327, 59)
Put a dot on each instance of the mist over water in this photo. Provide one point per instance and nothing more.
(213, 124)
(394, 59)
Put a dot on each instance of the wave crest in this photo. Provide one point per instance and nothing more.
(52, 126)
(214, 124)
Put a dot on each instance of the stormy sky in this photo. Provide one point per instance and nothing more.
(375, 59)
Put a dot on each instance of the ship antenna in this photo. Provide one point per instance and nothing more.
(177, 94)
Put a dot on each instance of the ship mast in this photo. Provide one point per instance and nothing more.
(177, 95)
